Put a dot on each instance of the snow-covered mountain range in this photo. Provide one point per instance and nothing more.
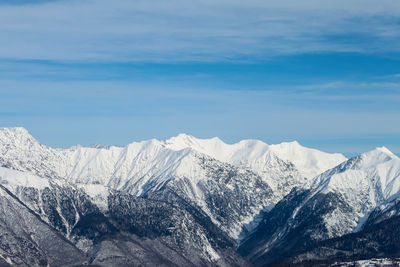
(143, 167)
(140, 162)
(335, 203)
(195, 197)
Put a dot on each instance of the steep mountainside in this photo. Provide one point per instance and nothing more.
(249, 176)
(190, 202)
(26, 240)
(381, 240)
(337, 202)
(138, 162)
(114, 228)
(271, 162)
(310, 162)
(375, 245)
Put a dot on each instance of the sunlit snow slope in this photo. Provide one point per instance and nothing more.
(249, 172)
(138, 164)
(359, 192)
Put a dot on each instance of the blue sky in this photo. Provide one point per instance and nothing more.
(324, 73)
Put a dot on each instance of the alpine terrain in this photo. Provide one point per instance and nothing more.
(194, 202)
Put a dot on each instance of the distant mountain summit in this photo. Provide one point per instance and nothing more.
(139, 164)
(253, 153)
(335, 203)
(141, 168)
(190, 202)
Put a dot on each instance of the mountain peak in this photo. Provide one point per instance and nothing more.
(17, 130)
(375, 156)
(16, 135)
(377, 170)
(385, 150)
(378, 150)
(184, 136)
(292, 143)
(188, 137)
(183, 140)
(307, 160)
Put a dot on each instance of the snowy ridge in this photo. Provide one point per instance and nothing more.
(282, 166)
(18, 182)
(364, 182)
(66, 208)
(139, 164)
(255, 154)
(12, 178)
(131, 167)
(336, 202)
(211, 189)
(310, 162)
(376, 171)
(141, 168)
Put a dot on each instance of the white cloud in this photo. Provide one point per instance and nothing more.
(177, 30)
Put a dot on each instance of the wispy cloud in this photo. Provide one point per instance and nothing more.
(135, 69)
(176, 30)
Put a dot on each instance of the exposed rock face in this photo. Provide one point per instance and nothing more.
(354, 196)
(130, 230)
(26, 240)
(191, 202)
(231, 188)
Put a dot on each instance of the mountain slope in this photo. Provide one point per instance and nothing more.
(26, 240)
(381, 240)
(265, 160)
(255, 154)
(310, 162)
(115, 228)
(149, 166)
(337, 202)
(185, 201)
(137, 162)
